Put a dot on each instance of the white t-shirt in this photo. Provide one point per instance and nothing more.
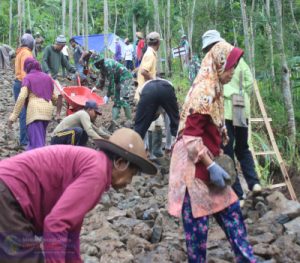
(128, 52)
(65, 50)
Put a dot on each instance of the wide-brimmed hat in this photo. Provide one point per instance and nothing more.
(129, 145)
(139, 34)
(210, 37)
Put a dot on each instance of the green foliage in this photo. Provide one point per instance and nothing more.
(46, 16)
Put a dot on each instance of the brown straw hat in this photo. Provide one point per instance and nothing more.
(129, 145)
(139, 34)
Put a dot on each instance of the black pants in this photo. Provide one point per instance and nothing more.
(73, 136)
(238, 145)
(17, 234)
(156, 93)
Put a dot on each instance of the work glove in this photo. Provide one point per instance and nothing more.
(217, 175)
(93, 89)
(106, 99)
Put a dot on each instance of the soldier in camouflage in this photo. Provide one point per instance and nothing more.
(119, 87)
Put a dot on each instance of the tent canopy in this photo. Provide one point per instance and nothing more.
(96, 42)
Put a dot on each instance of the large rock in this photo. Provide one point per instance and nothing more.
(293, 227)
(263, 238)
(116, 256)
(114, 213)
(137, 245)
(142, 230)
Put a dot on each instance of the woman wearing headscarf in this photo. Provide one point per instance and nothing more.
(37, 96)
(197, 184)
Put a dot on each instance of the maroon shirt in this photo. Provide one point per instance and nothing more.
(56, 186)
(202, 126)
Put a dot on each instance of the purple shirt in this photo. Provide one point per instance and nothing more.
(56, 186)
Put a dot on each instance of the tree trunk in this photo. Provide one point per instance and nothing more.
(216, 13)
(252, 42)
(168, 36)
(23, 16)
(105, 10)
(165, 46)
(293, 17)
(78, 17)
(70, 18)
(270, 39)
(233, 24)
(29, 15)
(63, 9)
(191, 27)
(10, 22)
(157, 29)
(147, 26)
(181, 17)
(286, 88)
(85, 23)
(133, 27)
(246, 33)
(116, 17)
(20, 19)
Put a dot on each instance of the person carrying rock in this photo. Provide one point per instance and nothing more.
(48, 191)
(241, 84)
(119, 84)
(22, 53)
(78, 55)
(76, 128)
(53, 59)
(38, 97)
(198, 186)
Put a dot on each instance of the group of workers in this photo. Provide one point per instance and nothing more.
(47, 191)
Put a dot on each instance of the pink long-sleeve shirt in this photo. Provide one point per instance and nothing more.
(56, 186)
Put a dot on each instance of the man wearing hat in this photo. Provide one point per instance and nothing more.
(22, 53)
(52, 60)
(147, 69)
(48, 191)
(76, 128)
(241, 83)
(139, 48)
(78, 55)
(119, 84)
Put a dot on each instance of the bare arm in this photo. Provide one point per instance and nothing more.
(146, 74)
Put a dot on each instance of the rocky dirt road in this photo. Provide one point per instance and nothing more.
(132, 225)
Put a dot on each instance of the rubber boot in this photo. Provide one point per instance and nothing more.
(150, 146)
(157, 142)
(127, 111)
(115, 113)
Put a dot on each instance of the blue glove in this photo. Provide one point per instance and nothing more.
(217, 175)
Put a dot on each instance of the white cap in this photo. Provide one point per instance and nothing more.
(210, 37)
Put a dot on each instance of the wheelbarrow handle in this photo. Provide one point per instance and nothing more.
(57, 86)
(78, 80)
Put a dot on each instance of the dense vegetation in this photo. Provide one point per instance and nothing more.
(192, 17)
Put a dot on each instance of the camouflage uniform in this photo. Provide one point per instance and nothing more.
(194, 67)
(119, 87)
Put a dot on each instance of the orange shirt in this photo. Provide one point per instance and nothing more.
(22, 54)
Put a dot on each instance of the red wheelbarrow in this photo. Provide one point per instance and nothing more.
(76, 97)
